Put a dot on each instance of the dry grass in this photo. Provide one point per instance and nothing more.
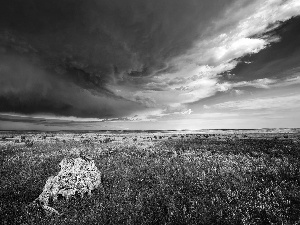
(193, 179)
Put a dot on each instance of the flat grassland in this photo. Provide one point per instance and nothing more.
(225, 177)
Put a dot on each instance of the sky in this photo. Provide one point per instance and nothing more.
(152, 64)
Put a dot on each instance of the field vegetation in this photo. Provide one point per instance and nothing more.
(157, 178)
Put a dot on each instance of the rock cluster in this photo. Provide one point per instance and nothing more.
(77, 176)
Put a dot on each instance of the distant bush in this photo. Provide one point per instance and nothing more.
(29, 143)
(106, 140)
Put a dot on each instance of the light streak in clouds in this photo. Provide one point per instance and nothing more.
(259, 83)
(189, 111)
(269, 103)
(264, 83)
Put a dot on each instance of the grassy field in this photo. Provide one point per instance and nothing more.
(157, 178)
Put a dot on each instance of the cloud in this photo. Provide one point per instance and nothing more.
(264, 83)
(189, 111)
(270, 103)
(259, 83)
(112, 59)
(89, 48)
(49, 117)
(27, 89)
(198, 72)
(280, 59)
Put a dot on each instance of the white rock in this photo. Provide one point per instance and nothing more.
(76, 176)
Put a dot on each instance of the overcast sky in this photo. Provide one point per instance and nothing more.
(151, 64)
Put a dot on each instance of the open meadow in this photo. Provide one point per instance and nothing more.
(155, 177)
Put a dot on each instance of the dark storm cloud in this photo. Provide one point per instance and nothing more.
(37, 121)
(278, 59)
(59, 56)
(27, 89)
